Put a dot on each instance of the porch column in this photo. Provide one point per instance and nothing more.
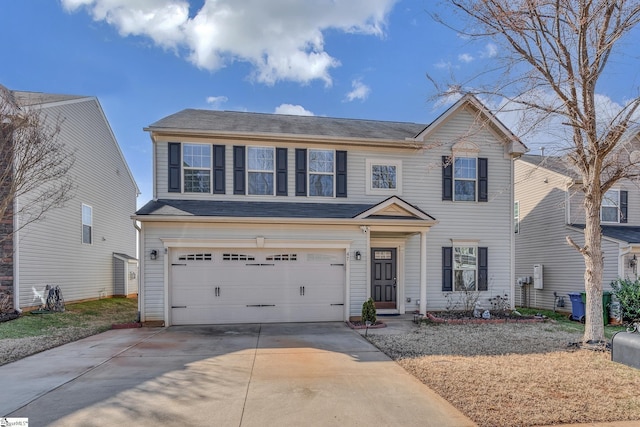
(423, 273)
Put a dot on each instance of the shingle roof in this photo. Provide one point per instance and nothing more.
(234, 121)
(241, 209)
(26, 99)
(553, 163)
(624, 233)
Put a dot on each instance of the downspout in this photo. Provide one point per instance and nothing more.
(140, 271)
(16, 256)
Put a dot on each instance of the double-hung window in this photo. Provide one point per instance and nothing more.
(260, 170)
(465, 268)
(610, 210)
(196, 166)
(321, 173)
(464, 178)
(87, 224)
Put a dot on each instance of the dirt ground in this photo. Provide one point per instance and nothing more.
(517, 374)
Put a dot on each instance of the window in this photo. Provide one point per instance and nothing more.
(516, 217)
(260, 170)
(196, 166)
(384, 176)
(87, 224)
(610, 210)
(464, 268)
(464, 178)
(321, 172)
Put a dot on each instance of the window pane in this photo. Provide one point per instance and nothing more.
(464, 258)
(86, 234)
(261, 183)
(87, 215)
(260, 158)
(197, 181)
(465, 280)
(197, 155)
(383, 176)
(321, 161)
(465, 190)
(464, 167)
(609, 214)
(321, 185)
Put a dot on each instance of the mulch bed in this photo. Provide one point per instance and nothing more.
(5, 316)
(361, 325)
(460, 318)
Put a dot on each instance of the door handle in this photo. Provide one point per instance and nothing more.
(301, 290)
(394, 282)
(217, 291)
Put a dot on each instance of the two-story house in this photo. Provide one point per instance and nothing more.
(88, 246)
(548, 209)
(275, 218)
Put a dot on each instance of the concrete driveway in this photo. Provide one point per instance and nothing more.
(231, 375)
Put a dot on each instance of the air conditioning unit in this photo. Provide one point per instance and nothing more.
(537, 276)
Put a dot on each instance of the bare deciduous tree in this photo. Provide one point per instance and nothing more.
(34, 164)
(556, 53)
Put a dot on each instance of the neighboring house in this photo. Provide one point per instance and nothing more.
(275, 218)
(78, 247)
(548, 209)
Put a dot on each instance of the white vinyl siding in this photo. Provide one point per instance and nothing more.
(51, 250)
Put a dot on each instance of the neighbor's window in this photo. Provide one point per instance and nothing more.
(321, 172)
(464, 175)
(384, 176)
(516, 217)
(196, 166)
(465, 268)
(610, 210)
(87, 224)
(260, 170)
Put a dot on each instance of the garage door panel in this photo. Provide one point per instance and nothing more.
(241, 286)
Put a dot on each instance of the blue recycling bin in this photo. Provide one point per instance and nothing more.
(577, 306)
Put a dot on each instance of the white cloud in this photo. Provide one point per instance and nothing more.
(360, 91)
(283, 40)
(216, 101)
(465, 57)
(294, 110)
(490, 51)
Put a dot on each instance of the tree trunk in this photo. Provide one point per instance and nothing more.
(594, 266)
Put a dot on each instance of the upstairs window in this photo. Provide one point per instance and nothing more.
(464, 179)
(384, 177)
(87, 224)
(260, 170)
(321, 173)
(196, 167)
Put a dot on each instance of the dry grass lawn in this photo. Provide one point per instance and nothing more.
(536, 388)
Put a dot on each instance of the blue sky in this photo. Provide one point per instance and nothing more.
(146, 59)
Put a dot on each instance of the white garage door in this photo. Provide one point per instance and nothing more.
(256, 286)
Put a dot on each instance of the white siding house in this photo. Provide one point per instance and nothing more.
(549, 201)
(272, 218)
(73, 246)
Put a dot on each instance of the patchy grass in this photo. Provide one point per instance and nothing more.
(567, 324)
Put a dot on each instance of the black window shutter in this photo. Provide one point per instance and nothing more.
(483, 180)
(341, 174)
(175, 155)
(301, 172)
(238, 169)
(483, 269)
(624, 206)
(447, 178)
(447, 269)
(218, 169)
(281, 172)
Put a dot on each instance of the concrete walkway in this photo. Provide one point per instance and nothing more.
(234, 375)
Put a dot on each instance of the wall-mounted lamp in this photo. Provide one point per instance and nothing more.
(358, 256)
(633, 261)
(153, 254)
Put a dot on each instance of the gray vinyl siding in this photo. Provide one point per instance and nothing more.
(51, 250)
(119, 284)
(489, 224)
(542, 239)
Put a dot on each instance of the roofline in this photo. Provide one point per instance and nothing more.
(571, 180)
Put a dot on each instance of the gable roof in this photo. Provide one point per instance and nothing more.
(622, 233)
(552, 163)
(236, 122)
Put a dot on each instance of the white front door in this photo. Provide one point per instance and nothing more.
(209, 286)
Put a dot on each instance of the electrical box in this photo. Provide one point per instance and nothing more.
(537, 277)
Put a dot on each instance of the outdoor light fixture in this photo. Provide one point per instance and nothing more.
(154, 254)
(633, 261)
(358, 256)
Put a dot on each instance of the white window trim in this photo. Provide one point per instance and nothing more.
(183, 168)
(309, 173)
(247, 170)
(388, 191)
(83, 224)
(464, 155)
(616, 205)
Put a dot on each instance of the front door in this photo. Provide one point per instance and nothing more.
(384, 278)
